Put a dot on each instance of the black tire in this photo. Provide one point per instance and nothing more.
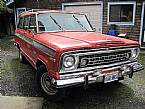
(46, 87)
(22, 58)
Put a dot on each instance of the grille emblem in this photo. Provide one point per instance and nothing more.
(84, 62)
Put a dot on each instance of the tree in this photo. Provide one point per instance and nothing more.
(3, 6)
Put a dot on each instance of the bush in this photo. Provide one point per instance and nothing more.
(4, 8)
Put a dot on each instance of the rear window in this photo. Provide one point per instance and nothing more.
(26, 22)
(32, 23)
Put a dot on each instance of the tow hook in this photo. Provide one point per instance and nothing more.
(86, 82)
(131, 72)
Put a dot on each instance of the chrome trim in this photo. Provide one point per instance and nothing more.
(91, 72)
(107, 48)
(69, 81)
(104, 58)
(45, 49)
(101, 50)
(27, 56)
(138, 51)
(37, 22)
(75, 64)
(96, 67)
(79, 78)
(97, 51)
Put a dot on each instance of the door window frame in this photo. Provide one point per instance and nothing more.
(20, 23)
(34, 30)
(25, 23)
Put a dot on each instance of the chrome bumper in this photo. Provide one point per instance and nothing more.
(95, 76)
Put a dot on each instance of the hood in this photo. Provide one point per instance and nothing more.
(72, 40)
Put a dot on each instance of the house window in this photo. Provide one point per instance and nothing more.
(121, 13)
(18, 12)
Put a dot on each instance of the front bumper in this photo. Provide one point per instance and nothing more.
(95, 76)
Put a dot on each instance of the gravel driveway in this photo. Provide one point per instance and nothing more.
(19, 80)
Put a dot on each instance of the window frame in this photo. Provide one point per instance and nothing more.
(30, 17)
(19, 23)
(24, 21)
(122, 3)
(90, 25)
(17, 12)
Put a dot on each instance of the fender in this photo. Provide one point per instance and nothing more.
(49, 63)
(41, 58)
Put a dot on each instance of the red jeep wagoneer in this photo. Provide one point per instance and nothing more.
(66, 51)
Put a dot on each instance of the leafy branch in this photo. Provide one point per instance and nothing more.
(3, 7)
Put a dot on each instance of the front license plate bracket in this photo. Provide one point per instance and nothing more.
(110, 77)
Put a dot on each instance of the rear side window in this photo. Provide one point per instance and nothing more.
(20, 24)
(26, 22)
(32, 23)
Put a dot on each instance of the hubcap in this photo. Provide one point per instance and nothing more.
(46, 84)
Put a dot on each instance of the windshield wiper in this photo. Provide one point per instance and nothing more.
(56, 23)
(83, 27)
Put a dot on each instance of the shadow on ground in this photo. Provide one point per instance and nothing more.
(99, 96)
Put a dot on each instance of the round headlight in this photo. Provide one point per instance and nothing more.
(134, 52)
(69, 61)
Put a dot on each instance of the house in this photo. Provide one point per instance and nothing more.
(127, 15)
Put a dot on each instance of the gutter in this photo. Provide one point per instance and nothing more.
(9, 2)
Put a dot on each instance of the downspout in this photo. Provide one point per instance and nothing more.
(38, 6)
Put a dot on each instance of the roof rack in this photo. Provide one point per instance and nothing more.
(46, 10)
(35, 10)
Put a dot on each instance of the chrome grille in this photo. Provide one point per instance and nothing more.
(103, 58)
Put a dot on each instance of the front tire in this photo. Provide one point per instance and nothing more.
(46, 87)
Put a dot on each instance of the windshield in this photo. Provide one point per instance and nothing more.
(48, 22)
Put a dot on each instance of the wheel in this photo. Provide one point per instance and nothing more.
(46, 87)
(22, 58)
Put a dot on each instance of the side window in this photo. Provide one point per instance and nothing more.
(32, 23)
(20, 24)
(26, 22)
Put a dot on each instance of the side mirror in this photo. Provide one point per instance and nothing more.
(32, 31)
(29, 31)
